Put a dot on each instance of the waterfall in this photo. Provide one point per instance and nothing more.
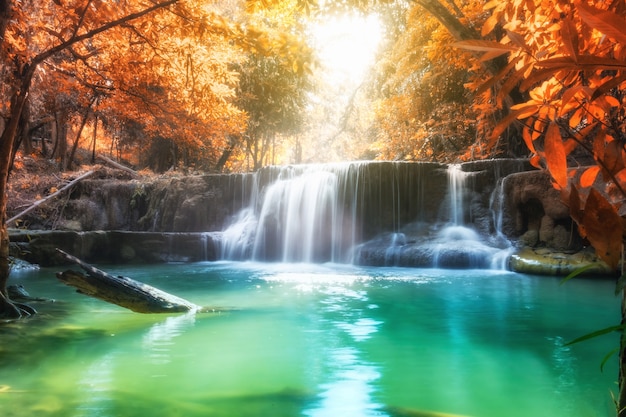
(458, 244)
(320, 213)
(370, 213)
(302, 214)
(456, 189)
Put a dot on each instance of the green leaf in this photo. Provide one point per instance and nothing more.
(576, 273)
(607, 357)
(597, 333)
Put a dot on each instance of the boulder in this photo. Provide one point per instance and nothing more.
(550, 262)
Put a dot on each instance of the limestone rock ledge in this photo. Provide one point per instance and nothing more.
(543, 261)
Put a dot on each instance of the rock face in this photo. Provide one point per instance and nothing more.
(534, 214)
(195, 203)
(402, 214)
(39, 247)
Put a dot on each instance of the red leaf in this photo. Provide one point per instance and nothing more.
(574, 206)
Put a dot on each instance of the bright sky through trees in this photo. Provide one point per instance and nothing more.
(346, 46)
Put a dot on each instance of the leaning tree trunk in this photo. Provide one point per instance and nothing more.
(621, 397)
(7, 143)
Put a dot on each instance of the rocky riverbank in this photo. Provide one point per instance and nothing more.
(115, 217)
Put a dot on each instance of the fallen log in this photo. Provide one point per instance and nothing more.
(118, 165)
(123, 291)
(53, 195)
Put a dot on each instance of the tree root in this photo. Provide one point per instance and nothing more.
(14, 310)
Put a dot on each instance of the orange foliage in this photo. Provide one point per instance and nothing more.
(569, 59)
(167, 74)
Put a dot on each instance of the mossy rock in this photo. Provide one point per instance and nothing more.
(549, 262)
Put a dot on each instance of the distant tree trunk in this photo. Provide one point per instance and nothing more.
(60, 144)
(70, 160)
(227, 153)
(25, 131)
(22, 134)
(95, 135)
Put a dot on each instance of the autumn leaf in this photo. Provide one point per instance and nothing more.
(604, 21)
(570, 37)
(485, 46)
(613, 161)
(574, 205)
(589, 176)
(556, 159)
(602, 226)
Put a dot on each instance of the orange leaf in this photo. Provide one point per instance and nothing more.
(502, 126)
(574, 206)
(604, 21)
(535, 161)
(517, 39)
(589, 176)
(556, 159)
(570, 37)
(613, 157)
(612, 83)
(598, 146)
(620, 177)
(576, 118)
(490, 24)
(484, 46)
(524, 110)
(603, 228)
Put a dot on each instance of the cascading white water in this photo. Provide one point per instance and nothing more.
(304, 215)
(456, 189)
(458, 240)
(378, 213)
(301, 220)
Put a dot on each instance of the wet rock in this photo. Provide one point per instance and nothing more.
(550, 262)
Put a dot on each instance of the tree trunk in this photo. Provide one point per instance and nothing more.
(621, 396)
(449, 20)
(19, 87)
(7, 143)
(123, 291)
(80, 132)
(60, 144)
(93, 143)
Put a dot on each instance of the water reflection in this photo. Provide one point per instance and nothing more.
(349, 389)
(159, 339)
(99, 383)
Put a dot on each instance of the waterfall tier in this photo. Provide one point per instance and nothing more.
(376, 213)
(371, 213)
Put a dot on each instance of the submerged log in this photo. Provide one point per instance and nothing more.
(123, 291)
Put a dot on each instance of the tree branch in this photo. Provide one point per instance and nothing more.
(87, 35)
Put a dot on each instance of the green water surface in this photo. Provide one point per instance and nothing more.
(315, 340)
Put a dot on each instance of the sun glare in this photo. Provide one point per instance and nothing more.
(346, 46)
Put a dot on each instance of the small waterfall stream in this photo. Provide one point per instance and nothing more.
(385, 213)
